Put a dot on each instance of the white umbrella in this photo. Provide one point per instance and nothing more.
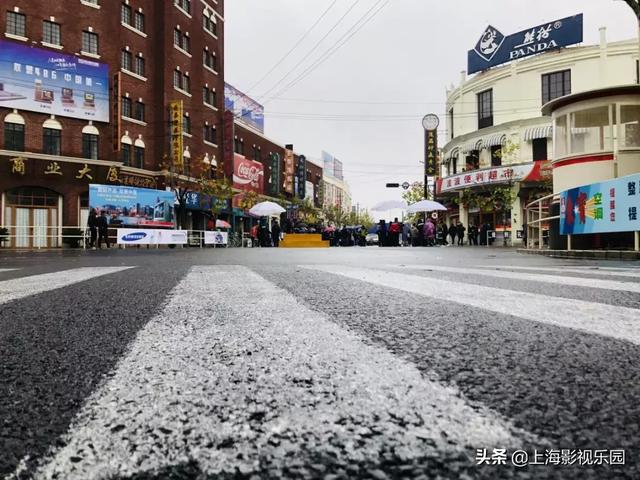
(390, 205)
(425, 206)
(266, 209)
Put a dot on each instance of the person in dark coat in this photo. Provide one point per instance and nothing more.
(453, 233)
(103, 229)
(461, 230)
(92, 223)
(445, 233)
(382, 234)
(275, 233)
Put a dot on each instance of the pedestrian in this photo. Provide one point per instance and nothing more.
(382, 234)
(453, 232)
(461, 231)
(429, 233)
(264, 235)
(394, 233)
(275, 233)
(103, 229)
(415, 236)
(92, 223)
(254, 235)
(406, 233)
(445, 233)
(472, 234)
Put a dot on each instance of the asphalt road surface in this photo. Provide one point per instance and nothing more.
(377, 363)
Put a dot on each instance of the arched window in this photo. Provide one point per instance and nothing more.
(14, 132)
(138, 153)
(90, 142)
(52, 137)
(126, 145)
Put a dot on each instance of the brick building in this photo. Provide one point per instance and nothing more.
(85, 90)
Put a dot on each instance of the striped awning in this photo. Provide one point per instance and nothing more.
(493, 140)
(538, 132)
(451, 153)
(471, 146)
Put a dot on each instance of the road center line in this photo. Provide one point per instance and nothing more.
(607, 320)
(252, 379)
(18, 288)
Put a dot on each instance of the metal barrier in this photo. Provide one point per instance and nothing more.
(39, 237)
(538, 220)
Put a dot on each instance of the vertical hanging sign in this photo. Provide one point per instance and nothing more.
(175, 114)
(289, 169)
(275, 174)
(302, 176)
(117, 113)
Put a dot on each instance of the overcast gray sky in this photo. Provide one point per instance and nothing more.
(364, 103)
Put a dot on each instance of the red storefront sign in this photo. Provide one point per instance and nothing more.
(248, 175)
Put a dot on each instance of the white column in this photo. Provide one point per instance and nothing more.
(516, 214)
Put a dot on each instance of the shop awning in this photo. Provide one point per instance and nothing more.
(493, 140)
(538, 132)
(451, 154)
(471, 146)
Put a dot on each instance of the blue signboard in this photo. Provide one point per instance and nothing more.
(612, 206)
(133, 207)
(494, 48)
(244, 108)
(50, 82)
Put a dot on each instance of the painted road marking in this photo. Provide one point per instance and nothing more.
(555, 279)
(609, 272)
(607, 320)
(230, 346)
(26, 286)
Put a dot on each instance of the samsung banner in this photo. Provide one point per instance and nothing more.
(216, 238)
(612, 206)
(494, 48)
(133, 207)
(135, 236)
(50, 82)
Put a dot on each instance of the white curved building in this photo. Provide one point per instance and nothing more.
(498, 137)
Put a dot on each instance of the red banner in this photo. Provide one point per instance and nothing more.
(248, 175)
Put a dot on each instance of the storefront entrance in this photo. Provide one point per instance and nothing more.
(31, 215)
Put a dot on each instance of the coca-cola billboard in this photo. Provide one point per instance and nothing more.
(248, 175)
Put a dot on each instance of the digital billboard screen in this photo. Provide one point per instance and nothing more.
(54, 83)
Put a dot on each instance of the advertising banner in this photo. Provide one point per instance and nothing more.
(248, 175)
(54, 83)
(309, 191)
(177, 152)
(301, 176)
(244, 108)
(494, 48)
(216, 238)
(133, 207)
(532, 172)
(612, 206)
(134, 236)
(289, 170)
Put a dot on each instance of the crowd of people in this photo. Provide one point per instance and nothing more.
(431, 233)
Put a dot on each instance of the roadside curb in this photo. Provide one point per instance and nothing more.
(584, 254)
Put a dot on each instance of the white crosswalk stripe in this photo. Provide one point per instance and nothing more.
(608, 320)
(555, 279)
(609, 272)
(184, 383)
(7, 270)
(18, 288)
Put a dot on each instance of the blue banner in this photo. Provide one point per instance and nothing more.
(50, 82)
(133, 207)
(245, 109)
(612, 206)
(494, 48)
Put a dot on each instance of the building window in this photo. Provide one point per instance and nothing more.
(239, 146)
(210, 134)
(210, 25)
(140, 111)
(125, 14)
(452, 134)
(210, 60)
(186, 124)
(90, 42)
(126, 60)
(485, 109)
(17, 24)
(184, 5)
(51, 33)
(539, 147)
(90, 146)
(177, 79)
(181, 40)
(186, 83)
(209, 96)
(181, 81)
(256, 153)
(496, 156)
(126, 107)
(139, 21)
(126, 154)
(554, 85)
(52, 141)
(138, 157)
(140, 66)
(14, 136)
(92, 2)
